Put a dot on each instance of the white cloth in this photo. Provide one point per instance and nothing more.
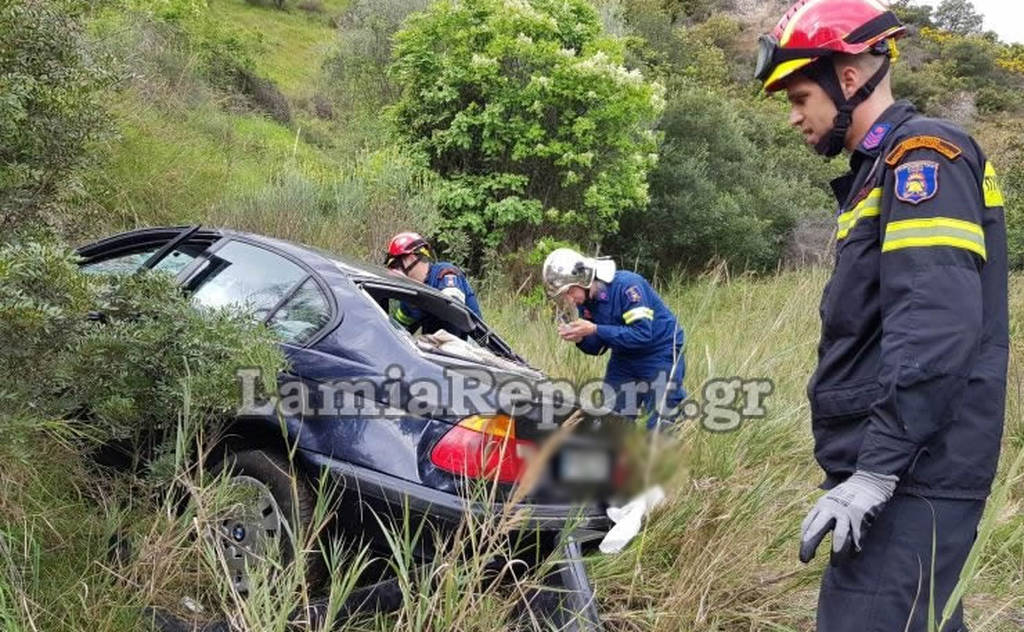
(628, 519)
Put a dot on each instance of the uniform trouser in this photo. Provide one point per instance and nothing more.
(887, 584)
(660, 394)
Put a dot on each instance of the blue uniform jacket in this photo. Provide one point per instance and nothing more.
(450, 280)
(642, 333)
(911, 376)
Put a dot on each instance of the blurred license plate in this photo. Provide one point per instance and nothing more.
(585, 466)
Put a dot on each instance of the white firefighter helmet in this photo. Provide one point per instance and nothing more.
(565, 267)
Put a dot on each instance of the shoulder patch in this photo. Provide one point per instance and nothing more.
(450, 280)
(875, 137)
(941, 145)
(993, 193)
(917, 181)
(633, 294)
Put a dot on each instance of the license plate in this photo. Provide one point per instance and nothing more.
(585, 466)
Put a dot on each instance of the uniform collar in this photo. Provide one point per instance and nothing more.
(875, 139)
(600, 293)
(872, 145)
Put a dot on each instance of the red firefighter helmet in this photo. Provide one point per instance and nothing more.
(407, 244)
(811, 29)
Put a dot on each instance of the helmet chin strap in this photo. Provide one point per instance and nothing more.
(824, 74)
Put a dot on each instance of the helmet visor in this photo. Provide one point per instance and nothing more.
(767, 46)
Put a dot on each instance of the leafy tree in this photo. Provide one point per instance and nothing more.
(49, 109)
(731, 183)
(911, 13)
(526, 111)
(152, 353)
(958, 16)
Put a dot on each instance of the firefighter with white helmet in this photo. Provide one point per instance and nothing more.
(619, 311)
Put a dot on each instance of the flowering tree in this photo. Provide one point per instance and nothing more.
(527, 112)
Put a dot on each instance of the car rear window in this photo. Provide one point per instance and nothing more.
(304, 314)
(247, 276)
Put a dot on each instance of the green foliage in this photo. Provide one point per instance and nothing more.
(386, 192)
(958, 16)
(129, 368)
(717, 193)
(909, 12)
(949, 65)
(49, 111)
(357, 70)
(527, 113)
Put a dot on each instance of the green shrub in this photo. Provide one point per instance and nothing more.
(527, 113)
(127, 371)
(730, 184)
(49, 111)
(357, 69)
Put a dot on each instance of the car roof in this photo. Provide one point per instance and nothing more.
(309, 254)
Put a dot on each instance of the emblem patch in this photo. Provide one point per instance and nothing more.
(633, 294)
(875, 137)
(917, 181)
(941, 145)
(450, 280)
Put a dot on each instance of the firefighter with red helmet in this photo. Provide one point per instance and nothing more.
(410, 254)
(907, 401)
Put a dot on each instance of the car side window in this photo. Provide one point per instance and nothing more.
(302, 315)
(178, 259)
(171, 263)
(247, 276)
(121, 264)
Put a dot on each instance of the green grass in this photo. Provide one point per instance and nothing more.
(720, 554)
(294, 41)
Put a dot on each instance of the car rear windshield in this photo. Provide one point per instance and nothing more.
(428, 320)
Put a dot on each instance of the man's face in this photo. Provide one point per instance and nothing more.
(417, 270)
(576, 294)
(810, 109)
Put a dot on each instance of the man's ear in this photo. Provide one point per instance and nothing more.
(849, 79)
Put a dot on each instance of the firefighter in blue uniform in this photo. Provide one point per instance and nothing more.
(907, 401)
(621, 312)
(410, 255)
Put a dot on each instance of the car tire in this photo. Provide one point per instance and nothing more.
(278, 491)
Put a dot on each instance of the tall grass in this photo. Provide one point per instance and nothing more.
(719, 554)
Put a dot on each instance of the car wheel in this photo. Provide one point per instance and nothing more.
(271, 508)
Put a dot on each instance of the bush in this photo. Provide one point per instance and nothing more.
(49, 111)
(151, 353)
(717, 193)
(386, 192)
(527, 113)
(357, 70)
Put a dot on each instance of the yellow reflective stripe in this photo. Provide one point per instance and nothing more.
(637, 313)
(934, 231)
(402, 317)
(868, 207)
(993, 194)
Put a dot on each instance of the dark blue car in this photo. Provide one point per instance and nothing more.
(333, 316)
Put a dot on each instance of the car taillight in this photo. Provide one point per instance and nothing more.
(484, 447)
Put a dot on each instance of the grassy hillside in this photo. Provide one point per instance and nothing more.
(302, 152)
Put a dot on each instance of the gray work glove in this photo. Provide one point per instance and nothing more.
(847, 510)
